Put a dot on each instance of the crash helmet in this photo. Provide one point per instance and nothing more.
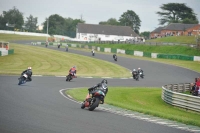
(133, 69)
(74, 66)
(29, 68)
(139, 68)
(104, 81)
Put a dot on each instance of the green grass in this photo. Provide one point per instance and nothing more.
(178, 49)
(14, 37)
(176, 39)
(144, 100)
(51, 62)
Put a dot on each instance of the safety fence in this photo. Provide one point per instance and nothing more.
(171, 94)
(128, 52)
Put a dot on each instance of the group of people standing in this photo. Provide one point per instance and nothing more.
(195, 87)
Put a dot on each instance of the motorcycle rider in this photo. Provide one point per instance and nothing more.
(134, 73)
(92, 51)
(140, 71)
(73, 70)
(103, 86)
(114, 56)
(29, 73)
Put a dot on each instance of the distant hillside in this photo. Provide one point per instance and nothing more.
(176, 39)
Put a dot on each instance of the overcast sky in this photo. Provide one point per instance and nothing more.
(94, 11)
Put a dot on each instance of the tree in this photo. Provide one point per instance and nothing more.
(176, 13)
(130, 18)
(111, 21)
(56, 25)
(61, 26)
(145, 34)
(31, 24)
(13, 17)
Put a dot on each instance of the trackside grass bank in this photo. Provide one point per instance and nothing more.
(51, 62)
(14, 37)
(175, 39)
(144, 100)
(177, 49)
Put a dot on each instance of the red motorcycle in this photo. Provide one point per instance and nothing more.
(70, 76)
(93, 101)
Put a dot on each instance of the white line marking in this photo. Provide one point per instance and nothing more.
(60, 76)
(106, 77)
(87, 77)
(37, 75)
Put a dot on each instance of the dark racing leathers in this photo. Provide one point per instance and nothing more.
(101, 86)
(29, 73)
(114, 56)
(134, 73)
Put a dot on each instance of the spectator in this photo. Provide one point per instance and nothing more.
(197, 86)
(198, 82)
(193, 87)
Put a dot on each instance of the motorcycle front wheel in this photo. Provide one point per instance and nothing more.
(94, 104)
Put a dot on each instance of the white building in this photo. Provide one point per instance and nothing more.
(94, 32)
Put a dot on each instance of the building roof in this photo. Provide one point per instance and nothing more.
(157, 30)
(106, 29)
(179, 26)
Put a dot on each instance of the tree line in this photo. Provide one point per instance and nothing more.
(170, 13)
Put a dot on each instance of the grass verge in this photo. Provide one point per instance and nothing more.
(177, 49)
(144, 100)
(51, 62)
(14, 37)
(176, 39)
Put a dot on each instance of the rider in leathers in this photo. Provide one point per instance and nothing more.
(29, 73)
(103, 86)
(134, 73)
(114, 55)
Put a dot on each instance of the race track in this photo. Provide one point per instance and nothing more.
(38, 106)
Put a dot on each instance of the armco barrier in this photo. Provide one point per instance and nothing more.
(171, 95)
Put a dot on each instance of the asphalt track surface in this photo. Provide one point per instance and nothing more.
(38, 106)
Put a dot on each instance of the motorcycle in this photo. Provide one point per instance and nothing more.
(135, 76)
(23, 79)
(93, 53)
(70, 76)
(93, 101)
(141, 75)
(115, 58)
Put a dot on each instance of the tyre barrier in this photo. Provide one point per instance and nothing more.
(171, 94)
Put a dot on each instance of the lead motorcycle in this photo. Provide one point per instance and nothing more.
(94, 100)
(70, 76)
(23, 79)
(115, 58)
(93, 53)
(141, 75)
